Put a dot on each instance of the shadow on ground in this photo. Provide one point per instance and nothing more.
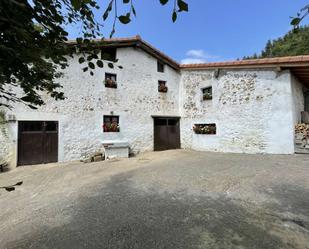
(292, 204)
(121, 216)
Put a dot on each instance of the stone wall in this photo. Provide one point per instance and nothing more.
(251, 108)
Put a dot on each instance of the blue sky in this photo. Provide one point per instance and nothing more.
(212, 30)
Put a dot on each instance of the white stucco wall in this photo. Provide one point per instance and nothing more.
(251, 108)
(6, 143)
(80, 116)
(254, 110)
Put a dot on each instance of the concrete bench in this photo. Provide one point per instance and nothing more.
(116, 149)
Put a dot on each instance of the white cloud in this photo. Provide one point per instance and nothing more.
(196, 53)
(195, 56)
(192, 61)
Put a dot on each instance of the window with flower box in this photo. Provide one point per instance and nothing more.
(162, 88)
(111, 123)
(110, 80)
(206, 129)
(207, 93)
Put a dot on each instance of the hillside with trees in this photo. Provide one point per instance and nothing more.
(295, 42)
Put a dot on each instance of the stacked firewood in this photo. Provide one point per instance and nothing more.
(302, 129)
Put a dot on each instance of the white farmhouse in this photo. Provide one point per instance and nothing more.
(154, 103)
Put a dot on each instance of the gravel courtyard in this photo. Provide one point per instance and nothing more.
(172, 199)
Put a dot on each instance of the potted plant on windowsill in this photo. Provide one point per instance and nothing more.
(163, 89)
(207, 96)
(110, 83)
(111, 128)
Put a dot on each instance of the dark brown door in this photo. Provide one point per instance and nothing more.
(166, 133)
(37, 142)
(307, 101)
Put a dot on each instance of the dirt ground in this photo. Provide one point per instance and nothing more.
(172, 199)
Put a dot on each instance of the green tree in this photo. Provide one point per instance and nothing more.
(33, 42)
(267, 52)
(296, 21)
(295, 42)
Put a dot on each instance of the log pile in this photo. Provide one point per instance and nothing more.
(302, 129)
(302, 138)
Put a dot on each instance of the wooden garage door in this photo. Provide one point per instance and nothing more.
(37, 142)
(166, 134)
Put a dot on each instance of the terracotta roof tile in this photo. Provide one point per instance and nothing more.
(266, 62)
(138, 41)
(278, 61)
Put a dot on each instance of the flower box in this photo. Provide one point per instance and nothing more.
(209, 129)
(162, 89)
(110, 83)
(207, 96)
(111, 128)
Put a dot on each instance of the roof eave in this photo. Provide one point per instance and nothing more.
(135, 42)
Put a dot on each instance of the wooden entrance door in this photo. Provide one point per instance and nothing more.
(307, 101)
(37, 142)
(166, 133)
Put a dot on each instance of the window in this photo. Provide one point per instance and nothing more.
(51, 126)
(207, 93)
(160, 121)
(28, 126)
(108, 54)
(160, 67)
(110, 80)
(162, 88)
(206, 129)
(111, 124)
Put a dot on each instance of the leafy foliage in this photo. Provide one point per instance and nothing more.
(296, 21)
(2, 117)
(33, 43)
(3, 123)
(295, 42)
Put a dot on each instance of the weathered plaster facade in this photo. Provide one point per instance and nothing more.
(255, 110)
(135, 100)
(6, 142)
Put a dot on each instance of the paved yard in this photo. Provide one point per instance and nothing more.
(173, 199)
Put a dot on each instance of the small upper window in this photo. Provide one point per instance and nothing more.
(108, 54)
(110, 80)
(111, 123)
(160, 67)
(162, 86)
(51, 126)
(207, 93)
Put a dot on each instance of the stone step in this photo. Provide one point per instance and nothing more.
(299, 136)
(301, 150)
